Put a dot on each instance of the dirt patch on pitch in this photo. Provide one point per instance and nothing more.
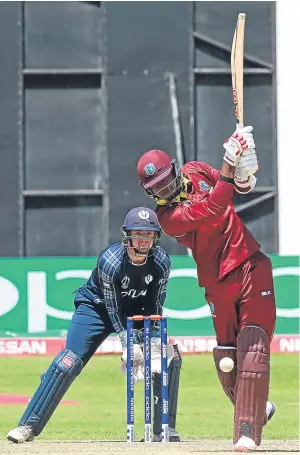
(116, 448)
(9, 398)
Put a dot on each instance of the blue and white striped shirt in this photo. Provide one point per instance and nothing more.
(124, 288)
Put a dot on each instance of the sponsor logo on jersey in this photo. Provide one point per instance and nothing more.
(264, 293)
(133, 293)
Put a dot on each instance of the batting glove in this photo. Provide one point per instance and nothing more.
(246, 165)
(156, 354)
(239, 142)
(138, 372)
(138, 356)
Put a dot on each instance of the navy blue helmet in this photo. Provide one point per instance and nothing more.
(140, 219)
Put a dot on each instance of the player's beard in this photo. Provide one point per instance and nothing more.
(169, 190)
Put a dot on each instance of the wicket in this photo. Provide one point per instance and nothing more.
(147, 377)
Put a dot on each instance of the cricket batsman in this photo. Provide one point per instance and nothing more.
(194, 205)
(130, 278)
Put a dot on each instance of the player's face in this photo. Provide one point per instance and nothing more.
(166, 188)
(142, 240)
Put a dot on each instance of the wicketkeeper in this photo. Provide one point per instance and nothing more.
(194, 205)
(130, 278)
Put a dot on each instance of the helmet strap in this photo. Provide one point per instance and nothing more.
(136, 250)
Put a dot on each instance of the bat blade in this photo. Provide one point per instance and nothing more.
(237, 68)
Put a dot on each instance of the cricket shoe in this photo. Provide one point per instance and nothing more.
(270, 410)
(245, 444)
(21, 434)
(173, 436)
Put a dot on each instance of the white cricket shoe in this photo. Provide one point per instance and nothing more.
(270, 410)
(21, 434)
(245, 444)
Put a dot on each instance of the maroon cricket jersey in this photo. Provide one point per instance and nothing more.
(206, 223)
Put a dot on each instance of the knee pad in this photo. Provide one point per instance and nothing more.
(227, 380)
(54, 383)
(252, 383)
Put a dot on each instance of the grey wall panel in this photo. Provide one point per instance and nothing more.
(65, 123)
(152, 36)
(134, 104)
(154, 40)
(65, 227)
(215, 119)
(214, 110)
(128, 138)
(84, 130)
(10, 110)
(217, 20)
(63, 35)
(259, 220)
(65, 146)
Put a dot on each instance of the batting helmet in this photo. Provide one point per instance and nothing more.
(141, 219)
(154, 167)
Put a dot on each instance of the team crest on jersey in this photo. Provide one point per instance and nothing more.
(125, 282)
(144, 214)
(204, 186)
(150, 169)
(148, 279)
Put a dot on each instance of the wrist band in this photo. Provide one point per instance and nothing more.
(226, 179)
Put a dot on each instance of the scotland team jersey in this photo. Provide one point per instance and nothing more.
(127, 289)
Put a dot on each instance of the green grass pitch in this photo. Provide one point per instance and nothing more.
(203, 412)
